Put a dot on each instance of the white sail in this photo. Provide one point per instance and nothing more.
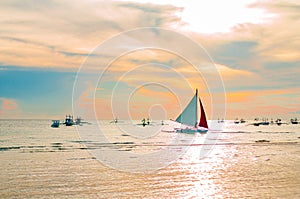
(189, 114)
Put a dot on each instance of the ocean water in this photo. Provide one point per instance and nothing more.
(241, 161)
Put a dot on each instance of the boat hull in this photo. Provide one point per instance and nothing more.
(192, 130)
(55, 125)
(69, 123)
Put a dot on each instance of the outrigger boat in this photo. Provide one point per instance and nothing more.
(278, 122)
(144, 122)
(220, 121)
(114, 121)
(294, 121)
(78, 121)
(189, 117)
(55, 123)
(242, 121)
(69, 120)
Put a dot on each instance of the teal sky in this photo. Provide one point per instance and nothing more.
(254, 45)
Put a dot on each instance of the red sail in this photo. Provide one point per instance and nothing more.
(203, 121)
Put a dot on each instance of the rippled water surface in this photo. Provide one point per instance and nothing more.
(241, 161)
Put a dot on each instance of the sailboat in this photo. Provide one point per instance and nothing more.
(189, 117)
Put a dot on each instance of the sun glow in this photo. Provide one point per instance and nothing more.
(219, 16)
(215, 16)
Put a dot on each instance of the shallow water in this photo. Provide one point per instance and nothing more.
(38, 161)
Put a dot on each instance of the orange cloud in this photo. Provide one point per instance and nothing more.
(53, 38)
(146, 97)
(8, 104)
(246, 96)
(271, 103)
(9, 108)
(233, 97)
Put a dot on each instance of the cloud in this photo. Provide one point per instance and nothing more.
(9, 108)
(230, 72)
(45, 35)
(263, 102)
(269, 50)
(279, 39)
(254, 57)
(236, 54)
(9, 104)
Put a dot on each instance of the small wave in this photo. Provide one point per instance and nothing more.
(229, 132)
(280, 132)
(262, 140)
(253, 132)
(123, 143)
(87, 158)
(56, 143)
(124, 149)
(9, 148)
(80, 141)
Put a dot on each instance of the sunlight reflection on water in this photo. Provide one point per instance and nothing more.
(37, 161)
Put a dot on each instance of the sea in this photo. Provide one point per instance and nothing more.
(102, 159)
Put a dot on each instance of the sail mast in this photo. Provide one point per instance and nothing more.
(196, 116)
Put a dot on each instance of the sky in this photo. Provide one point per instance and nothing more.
(247, 58)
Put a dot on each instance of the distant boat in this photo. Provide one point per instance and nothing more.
(242, 121)
(55, 124)
(220, 121)
(256, 124)
(236, 121)
(189, 117)
(114, 121)
(264, 122)
(143, 122)
(294, 121)
(278, 122)
(69, 120)
(78, 121)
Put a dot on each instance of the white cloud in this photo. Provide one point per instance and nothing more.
(215, 16)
